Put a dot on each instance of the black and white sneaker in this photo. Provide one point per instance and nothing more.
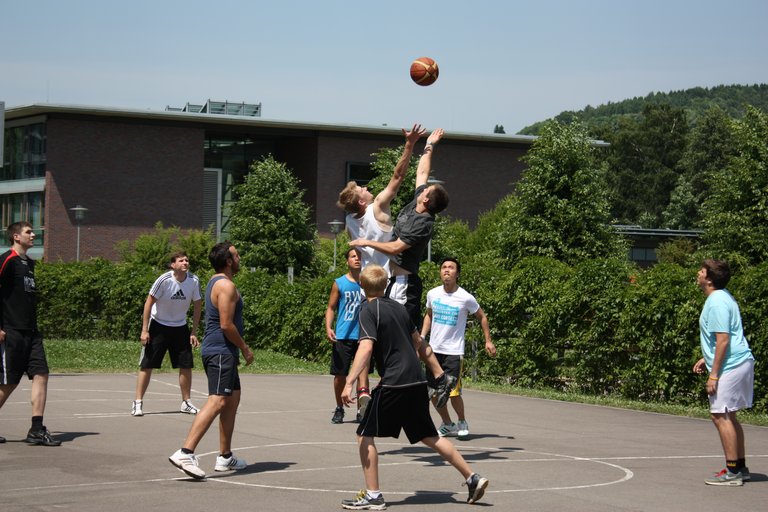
(338, 415)
(364, 502)
(477, 485)
(443, 387)
(41, 437)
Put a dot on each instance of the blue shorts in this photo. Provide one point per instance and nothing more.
(223, 377)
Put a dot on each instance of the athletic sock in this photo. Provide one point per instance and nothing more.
(187, 451)
(372, 494)
(37, 423)
(741, 464)
(732, 466)
(227, 455)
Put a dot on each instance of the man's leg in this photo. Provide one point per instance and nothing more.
(142, 382)
(445, 415)
(369, 459)
(457, 402)
(5, 392)
(227, 421)
(185, 383)
(741, 449)
(203, 420)
(339, 381)
(728, 434)
(39, 394)
(449, 453)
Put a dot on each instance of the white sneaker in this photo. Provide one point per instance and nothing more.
(188, 408)
(136, 408)
(463, 429)
(448, 429)
(231, 463)
(187, 463)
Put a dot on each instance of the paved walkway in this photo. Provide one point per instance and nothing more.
(540, 455)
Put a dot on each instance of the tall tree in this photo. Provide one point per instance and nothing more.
(735, 214)
(560, 208)
(644, 163)
(270, 224)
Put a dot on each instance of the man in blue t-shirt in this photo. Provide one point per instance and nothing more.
(731, 368)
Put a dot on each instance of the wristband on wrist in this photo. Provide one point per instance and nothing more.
(713, 378)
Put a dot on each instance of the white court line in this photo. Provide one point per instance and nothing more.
(548, 457)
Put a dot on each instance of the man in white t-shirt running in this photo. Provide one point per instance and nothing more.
(164, 329)
(446, 320)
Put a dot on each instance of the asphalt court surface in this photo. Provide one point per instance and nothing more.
(539, 455)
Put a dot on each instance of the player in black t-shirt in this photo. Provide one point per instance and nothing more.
(400, 400)
(21, 344)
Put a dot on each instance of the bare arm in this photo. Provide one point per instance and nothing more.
(384, 198)
(425, 162)
(330, 311)
(363, 355)
(197, 307)
(145, 319)
(392, 248)
(224, 297)
(426, 325)
(490, 348)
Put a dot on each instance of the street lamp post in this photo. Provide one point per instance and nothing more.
(336, 226)
(432, 181)
(79, 215)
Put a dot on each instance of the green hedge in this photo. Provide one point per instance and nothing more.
(601, 326)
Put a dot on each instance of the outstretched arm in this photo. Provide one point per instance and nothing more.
(391, 248)
(425, 162)
(385, 197)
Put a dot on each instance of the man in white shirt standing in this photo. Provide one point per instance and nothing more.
(164, 329)
(446, 320)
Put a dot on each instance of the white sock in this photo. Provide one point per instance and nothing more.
(373, 494)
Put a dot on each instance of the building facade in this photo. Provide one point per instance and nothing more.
(134, 168)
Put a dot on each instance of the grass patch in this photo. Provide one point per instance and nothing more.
(109, 356)
(750, 417)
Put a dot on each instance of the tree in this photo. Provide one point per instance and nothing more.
(644, 163)
(560, 208)
(499, 128)
(709, 149)
(735, 214)
(270, 224)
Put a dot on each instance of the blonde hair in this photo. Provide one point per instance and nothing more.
(348, 198)
(374, 279)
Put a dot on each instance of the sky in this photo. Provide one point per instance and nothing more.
(504, 62)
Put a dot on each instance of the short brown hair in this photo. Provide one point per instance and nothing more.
(718, 271)
(374, 279)
(438, 199)
(348, 198)
(176, 255)
(15, 229)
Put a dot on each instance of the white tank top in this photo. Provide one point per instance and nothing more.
(368, 228)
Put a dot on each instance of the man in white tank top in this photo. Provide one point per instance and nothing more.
(370, 218)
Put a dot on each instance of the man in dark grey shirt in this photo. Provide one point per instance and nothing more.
(413, 231)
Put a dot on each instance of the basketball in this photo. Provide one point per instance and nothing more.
(424, 71)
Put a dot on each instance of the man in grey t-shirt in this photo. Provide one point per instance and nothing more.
(413, 231)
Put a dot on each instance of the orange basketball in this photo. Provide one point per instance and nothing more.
(424, 71)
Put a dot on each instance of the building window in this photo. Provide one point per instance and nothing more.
(24, 153)
(359, 172)
(643, 254)
(28, 207)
